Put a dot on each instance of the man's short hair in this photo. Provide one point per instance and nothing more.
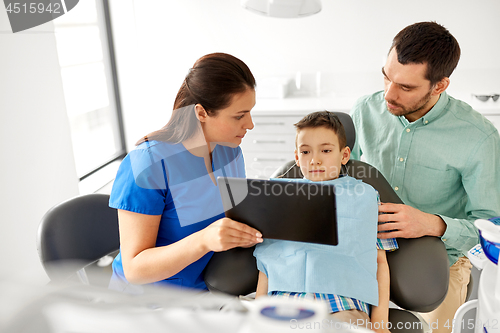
(323, 119)
(428, 43)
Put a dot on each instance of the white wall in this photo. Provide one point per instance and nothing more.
(37, 166)
(347, 41)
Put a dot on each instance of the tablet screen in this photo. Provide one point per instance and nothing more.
(282, 209)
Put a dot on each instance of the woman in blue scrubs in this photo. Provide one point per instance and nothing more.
(169, 208)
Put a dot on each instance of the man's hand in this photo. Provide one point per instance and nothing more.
(408, 222)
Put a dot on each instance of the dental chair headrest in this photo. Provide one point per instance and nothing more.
(350, 131)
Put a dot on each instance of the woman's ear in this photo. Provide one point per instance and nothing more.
(346, 155)
(296, 158)
(200, 113)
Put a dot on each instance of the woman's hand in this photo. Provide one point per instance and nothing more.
(143, 262)
(225, 234)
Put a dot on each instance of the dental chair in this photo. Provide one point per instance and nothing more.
(419, 269)
(77, 240)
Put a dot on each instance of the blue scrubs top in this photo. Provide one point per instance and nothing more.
(161, 178)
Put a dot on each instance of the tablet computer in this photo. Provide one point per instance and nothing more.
(282, 209)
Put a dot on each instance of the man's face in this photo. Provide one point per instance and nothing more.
(407, 92)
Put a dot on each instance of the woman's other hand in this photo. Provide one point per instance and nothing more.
(225, 234)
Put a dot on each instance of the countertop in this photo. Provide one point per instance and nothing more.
(298, 105)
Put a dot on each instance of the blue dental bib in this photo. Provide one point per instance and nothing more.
(348, 269)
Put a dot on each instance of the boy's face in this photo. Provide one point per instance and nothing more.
(318, 153)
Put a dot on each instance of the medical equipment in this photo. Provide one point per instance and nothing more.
(57, 308)
(484, 256)
(271, 314)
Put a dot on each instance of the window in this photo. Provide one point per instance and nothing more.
(85, 48)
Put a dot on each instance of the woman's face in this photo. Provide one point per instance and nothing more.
(230, 125)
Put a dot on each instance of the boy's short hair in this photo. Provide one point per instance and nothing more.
(323, 119)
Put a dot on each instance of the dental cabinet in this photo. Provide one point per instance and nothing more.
(271, 143)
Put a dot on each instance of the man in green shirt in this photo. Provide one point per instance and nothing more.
(441, 157)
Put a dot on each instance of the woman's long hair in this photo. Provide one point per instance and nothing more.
(212, 82)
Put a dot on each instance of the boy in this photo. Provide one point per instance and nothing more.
(320, 153)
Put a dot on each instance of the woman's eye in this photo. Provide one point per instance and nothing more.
(305, 152)
(239, 117)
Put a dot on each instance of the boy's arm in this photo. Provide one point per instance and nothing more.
(261, 285)
(380, 313)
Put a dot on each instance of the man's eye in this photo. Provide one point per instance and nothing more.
(405, 89)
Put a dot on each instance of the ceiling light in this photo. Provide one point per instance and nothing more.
(283, 8)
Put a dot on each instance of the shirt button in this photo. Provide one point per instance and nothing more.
(426, 122)
(408, 130)
(396, 188)
(444, 239)
(401, 159)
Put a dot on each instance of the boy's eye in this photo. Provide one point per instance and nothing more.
(326, 150)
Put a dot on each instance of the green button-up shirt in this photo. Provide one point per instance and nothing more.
(445, 163)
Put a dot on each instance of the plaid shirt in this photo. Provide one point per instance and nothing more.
(336, 302)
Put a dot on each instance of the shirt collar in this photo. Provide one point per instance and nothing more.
(433, 113)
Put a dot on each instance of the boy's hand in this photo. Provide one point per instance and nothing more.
(407, 222)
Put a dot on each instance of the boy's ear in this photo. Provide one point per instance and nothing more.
(296, 158)
(346, 154)
(200, 113)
